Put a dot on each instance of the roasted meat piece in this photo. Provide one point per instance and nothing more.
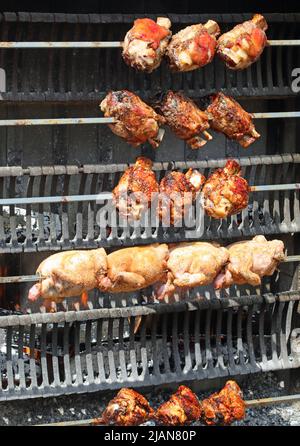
(185, 119)
(228, 117)
(193, 47)
(181, 409)
(134, 192)
(177, 191)
(225, 406)
(135, 121)
(69, 274)
(251, 260)
(146, 43)
(191, 264)
(132, 269)
(225, 192)
(127, 408)
(243, 45)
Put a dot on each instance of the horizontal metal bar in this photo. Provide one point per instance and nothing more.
(268, 115)
(271, 187)
(100, 44)
(82, 44)
(36, 277)
(55, 121)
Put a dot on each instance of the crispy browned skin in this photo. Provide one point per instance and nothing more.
(177, 193)
(181, 409)
(133, 194)
(225, 192)
(135, 121)
(185, 119)
(225, 406)
(193, 47)
(227, 116)
(243, 45)
(250, 260)
(127, 408)
(146, 43)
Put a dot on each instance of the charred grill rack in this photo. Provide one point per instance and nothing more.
(76, 225)
(209, 334)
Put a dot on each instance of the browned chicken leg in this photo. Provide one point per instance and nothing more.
(225, 406)
(225, 192)
(132, 269)
(193, 47)
(134, 193)
(251, 260)
(146, 43)
(127, 408)
(135, 121)
(185, 119)
(177, 193)
(69, 274)
(182, 408)
(228, 117)
(243, 45)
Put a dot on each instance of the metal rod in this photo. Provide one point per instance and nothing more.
(271, 187)
(292, 114)
(97, 44)
(55, 121)
(36, 277)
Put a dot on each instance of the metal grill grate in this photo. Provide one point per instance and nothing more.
(43, 75)
(99, 349)
(54, 226)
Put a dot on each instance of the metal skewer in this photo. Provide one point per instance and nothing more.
(97, 44)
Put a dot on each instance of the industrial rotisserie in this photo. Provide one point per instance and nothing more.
(228, 117)
(225, 406)
(127, 408)
(132, 269)
(243, 45)
(146, 43)
(193, 47)
(185, 119)
(136, 122)
(177, 191)
(225, 192)
(190, 265)
(251, 260)
(181, 409)
(69, 274)
(133, 194)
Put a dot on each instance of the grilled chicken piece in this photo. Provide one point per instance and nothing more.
(251, 260)
(146, 43)
(133, 194)
(225, 192)
(225, 406)
(190, 265)
(185, 119)
(228, 117)
(132, 269)
(193, 47)
(181, 409)
(243, 45)
(127, 408)
(69, 274)
(135, 121)
(177, 193)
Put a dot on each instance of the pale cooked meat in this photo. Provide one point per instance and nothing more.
(146, 43)
(193, 47)
(185, 119)
(243, 45)
(228, 117)
(136, 122)
(251, 260)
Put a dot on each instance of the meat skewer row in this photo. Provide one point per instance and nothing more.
(146, 43)
(168, 268)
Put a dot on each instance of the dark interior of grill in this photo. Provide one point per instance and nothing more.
(127, 339)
